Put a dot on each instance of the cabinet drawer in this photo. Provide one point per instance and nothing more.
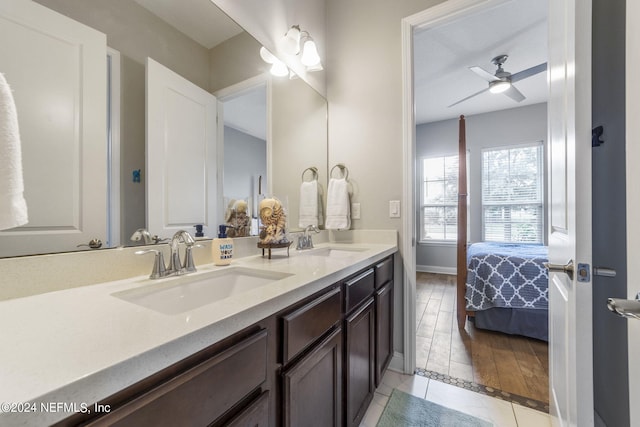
(384, 272)
(200, 394)
(308, 323)
(358, 289)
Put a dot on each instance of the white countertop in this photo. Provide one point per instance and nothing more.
(81, 345)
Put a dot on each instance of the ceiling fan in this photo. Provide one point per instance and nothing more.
(502, 81)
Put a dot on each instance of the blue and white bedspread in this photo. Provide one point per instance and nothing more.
(508, 275)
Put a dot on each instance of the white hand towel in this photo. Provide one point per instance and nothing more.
(308, 204)
(13, 207)
(338, 206)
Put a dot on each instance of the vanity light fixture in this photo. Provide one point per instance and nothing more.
(291, 42)
(310, 57)
(278, 68)
(300, 42)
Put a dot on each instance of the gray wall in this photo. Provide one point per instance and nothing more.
(245, 159)
(610, 352)
(364, 89)
(501, 128)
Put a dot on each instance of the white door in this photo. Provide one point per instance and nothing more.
(633, 197)
(569, 110)
(56, 68)
(181, 154)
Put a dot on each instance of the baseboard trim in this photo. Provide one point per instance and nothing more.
(436, 269)
(397, 362)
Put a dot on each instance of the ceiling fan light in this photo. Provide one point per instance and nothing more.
(499, 86)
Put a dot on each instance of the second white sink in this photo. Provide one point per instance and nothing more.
(335, 252)
(180, 294)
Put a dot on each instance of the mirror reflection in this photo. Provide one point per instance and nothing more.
(217, 58)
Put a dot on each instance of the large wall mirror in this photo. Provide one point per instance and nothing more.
(195, 40)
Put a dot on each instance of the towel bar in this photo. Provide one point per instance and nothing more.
(343, 169)
(314, 171)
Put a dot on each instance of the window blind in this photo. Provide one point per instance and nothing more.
(439, 198)
(512, 198)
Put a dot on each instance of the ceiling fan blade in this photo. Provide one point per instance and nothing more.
(484, 74)
(514, 94)
(529, 72)
(468, 97)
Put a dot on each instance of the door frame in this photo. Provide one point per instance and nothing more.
(632, 108)
(113, 149)
(436, 15)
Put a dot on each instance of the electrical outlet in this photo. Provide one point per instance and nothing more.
(394, 208)
(355, 210)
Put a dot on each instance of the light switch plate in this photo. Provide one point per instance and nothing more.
(394, 208)
(355, 210)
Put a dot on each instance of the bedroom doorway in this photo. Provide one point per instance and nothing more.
(445, 51)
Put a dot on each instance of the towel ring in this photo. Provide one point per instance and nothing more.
(343, 169)
(314, 172)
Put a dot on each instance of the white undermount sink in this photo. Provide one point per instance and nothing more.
(180, 294)
(335, 252)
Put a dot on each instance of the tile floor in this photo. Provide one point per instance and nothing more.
(499, 412)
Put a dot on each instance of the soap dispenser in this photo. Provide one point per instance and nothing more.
(222, 247)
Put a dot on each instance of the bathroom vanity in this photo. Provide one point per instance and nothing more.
(305, 346)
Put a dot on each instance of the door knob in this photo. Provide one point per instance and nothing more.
(560, 268)
(93, 244)
(625, 307)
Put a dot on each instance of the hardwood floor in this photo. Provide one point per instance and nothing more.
(507, 362)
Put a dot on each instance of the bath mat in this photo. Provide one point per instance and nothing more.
(403, 409)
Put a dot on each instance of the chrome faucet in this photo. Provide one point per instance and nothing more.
(305, 241)
(175, 267)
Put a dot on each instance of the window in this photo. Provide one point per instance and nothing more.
(439, 198)
(512, 194)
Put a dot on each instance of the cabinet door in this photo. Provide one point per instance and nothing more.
(359, 361)
(384, 329)
(312, 389)
(56, 68)
(254, 415)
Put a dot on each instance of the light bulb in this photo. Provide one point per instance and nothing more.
(291, 43)
(266, 55)
(499, 86)
(310, 55)
(279, 68)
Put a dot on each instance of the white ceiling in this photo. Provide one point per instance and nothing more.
(444, 53)
(248, 112)
(205, 23)
(201, 20)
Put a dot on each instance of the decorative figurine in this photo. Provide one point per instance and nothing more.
(274, 221)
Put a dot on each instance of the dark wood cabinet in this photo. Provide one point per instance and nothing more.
(302, 327)
(201, 394)
(359, 361)
(312, 387)
(256, 414)
(384, 329)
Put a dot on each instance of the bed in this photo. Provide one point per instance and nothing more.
(506, 288)
(501, 286)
